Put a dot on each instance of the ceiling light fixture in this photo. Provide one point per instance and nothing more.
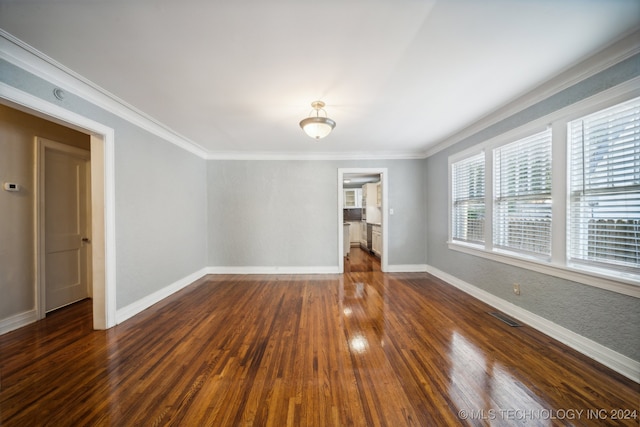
(317, 127)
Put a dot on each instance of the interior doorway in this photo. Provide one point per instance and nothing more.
(64, 229)
(102, 202)
(371, 185)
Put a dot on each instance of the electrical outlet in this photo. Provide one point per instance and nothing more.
(516, 288)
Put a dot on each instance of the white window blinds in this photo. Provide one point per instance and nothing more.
(467, 222)
(522, 195)
(605, 187)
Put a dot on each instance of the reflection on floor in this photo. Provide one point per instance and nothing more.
(360, 260)
(356, 349)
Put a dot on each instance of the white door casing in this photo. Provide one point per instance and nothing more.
(65, 226)
(103, 200)
(384, 180)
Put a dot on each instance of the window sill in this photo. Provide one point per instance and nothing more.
(625, 283)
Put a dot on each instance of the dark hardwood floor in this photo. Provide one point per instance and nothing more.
(360, 260)
(363, 348)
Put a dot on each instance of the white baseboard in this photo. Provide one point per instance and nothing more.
(618, 362)
(17, 321)
(273, 270)
(407, 268)
(399, 268)
(146, 302)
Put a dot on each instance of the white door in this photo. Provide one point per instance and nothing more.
(66, 225)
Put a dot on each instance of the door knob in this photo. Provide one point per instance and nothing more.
(86, 240)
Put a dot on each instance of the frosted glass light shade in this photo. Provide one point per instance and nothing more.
(317, 127)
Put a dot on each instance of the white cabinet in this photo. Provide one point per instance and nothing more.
(379, 194)
(352, 198)
(363, 196)
(370, 207)
(363, 234)
(376, 240)
(354, 233)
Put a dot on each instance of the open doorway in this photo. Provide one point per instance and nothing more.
(362, 218)
(102, 202)
(63, 205)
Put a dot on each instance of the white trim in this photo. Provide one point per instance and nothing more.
(103, 233)
(615, 281)
(384, 179)
(394, 268)
(384, 155)
(407, 268)
(466, 153)
(16, 321)
(606, 58)
(329, 269)
(341, 222)
(384, 262)
(456, 158)
(35, 62)
(30, 59)
(24, 56)
(618, 362)
(559, 192)
(617, 94)
(601, 281)
(142, 304)
(104, 292)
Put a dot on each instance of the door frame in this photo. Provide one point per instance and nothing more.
(384, 181)
(41, 145)
(102, 137)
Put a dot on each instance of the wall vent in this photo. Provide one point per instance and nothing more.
(506, 319)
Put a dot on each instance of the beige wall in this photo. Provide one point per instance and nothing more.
(17, 219)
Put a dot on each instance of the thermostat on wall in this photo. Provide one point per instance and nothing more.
(11, 186)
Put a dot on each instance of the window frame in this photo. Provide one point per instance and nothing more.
(613, 194)
(558, 266)
(452, 203)
(497, 229)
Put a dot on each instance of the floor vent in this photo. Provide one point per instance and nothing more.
(506, 319)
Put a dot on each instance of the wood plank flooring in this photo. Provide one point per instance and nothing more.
(361, 349)
(360, 260)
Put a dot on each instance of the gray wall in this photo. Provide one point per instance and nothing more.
(608, 318)
(161, 198)
(161, 214)
(285, 213)
(177, 213)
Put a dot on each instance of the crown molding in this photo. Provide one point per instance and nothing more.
(26, 57)
(22, 55)
(624, 48)
(382, 155)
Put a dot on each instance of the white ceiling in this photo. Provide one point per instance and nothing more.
(398, 76)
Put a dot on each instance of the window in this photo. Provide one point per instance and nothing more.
(559, 195)
(522, 195)
(468, 199)
(605, 187)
